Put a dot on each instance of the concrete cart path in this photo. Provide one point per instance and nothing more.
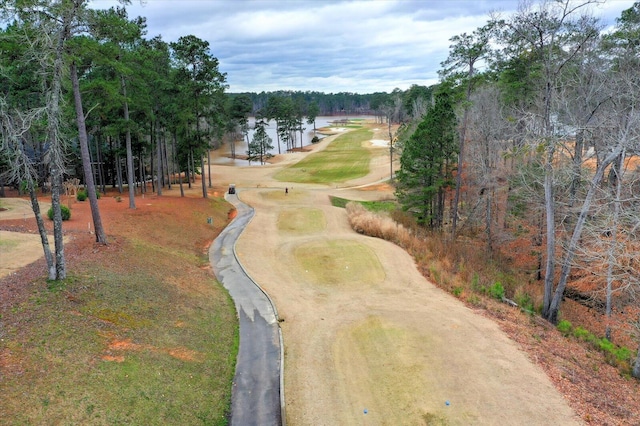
(256, 397)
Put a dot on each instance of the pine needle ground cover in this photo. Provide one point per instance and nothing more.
(344, 159)
(140, 332)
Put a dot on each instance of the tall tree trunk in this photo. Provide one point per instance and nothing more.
(463, 135)
(44, 239)
(142, 173)
(577, 166)
(611, 255)
(204, 182)
(554, 308)
(101, 237)
(549, 277)
(100, 168)
(130, 172)
(190, 171)
(56, 149)
(119, 172)
(175, 162)
(209, 166)
(152, 155)
(160, 172)
(165, 159)
(278, 135)
(390, 150)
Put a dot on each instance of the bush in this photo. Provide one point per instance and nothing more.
(583, 334)
(497, 291)
(315, 139)
(524, 301)
(66, 213)
(83, 195)
(564, 327)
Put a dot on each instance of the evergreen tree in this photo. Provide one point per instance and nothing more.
(427, 163)
(260, 144)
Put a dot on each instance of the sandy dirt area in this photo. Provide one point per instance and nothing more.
(18, 249)
(391, 349)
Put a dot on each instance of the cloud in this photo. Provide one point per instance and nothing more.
(329, 45)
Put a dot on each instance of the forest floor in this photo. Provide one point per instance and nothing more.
(389, 348)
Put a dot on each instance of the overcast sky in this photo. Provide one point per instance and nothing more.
(326, 45)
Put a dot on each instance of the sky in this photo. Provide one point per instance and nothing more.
(327, 46)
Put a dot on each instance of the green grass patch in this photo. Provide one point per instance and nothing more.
(338, 262)
(301, 220)
(342, 160)
(618, 356)
(374, 206)
(138, 334)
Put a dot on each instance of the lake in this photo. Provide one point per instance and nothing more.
(222, 154)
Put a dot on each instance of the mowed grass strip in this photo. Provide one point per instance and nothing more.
(140, 333)
(382, 374)
(301, 220)
(343, 159)
(387, 206)
(338, 262)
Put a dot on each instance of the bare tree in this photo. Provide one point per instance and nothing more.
(15, 125)
(393, 113)
(486, 131)
(465, 53)
(556, 32)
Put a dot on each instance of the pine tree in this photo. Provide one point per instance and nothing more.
(427, 163)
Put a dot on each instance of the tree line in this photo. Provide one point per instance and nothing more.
(84, 93)
(538, 112)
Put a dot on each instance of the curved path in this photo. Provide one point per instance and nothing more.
(256, 396)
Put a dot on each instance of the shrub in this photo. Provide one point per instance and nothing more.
(583, 334)
(66, 213)
(564, 327)
(497, 291)
(83, 195)
(315, 139)
(622, 353)
(524, 301)
(605, 345)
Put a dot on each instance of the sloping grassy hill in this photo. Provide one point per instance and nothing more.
(140, 332)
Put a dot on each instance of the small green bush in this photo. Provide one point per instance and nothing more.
(497, 291)
(524, 301)
(475, 283)
(83, 195)
(605, 345)
(66, 213)
(315, 139)
(583, 334)
(622, 353)
(564, 327)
